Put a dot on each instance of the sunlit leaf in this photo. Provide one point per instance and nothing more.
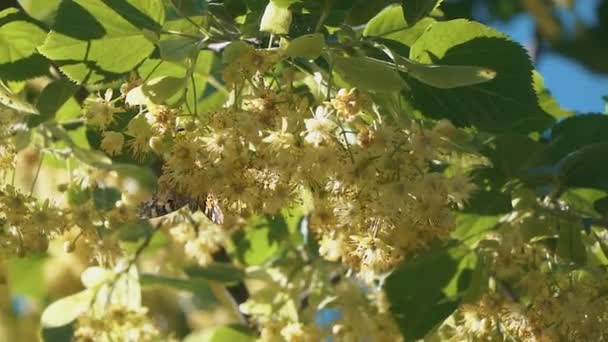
(67, 309)
(308, 46)
(368, 74)
(276, 20)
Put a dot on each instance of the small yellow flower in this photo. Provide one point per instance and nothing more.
(320, 129)
(280, 140)
(99, 112)
(112, 142)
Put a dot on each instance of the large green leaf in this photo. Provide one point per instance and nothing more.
(109, 38)
(19, 40)
(575, 133)
(416, 291)
(415, 10)
(507, 103)
(575, 155)
(507, 157)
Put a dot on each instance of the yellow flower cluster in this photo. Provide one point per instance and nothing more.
(534, 295)
(120, 323)
(375, 197)
(26, 225)
(9, 125)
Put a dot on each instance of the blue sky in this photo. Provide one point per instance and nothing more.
(572, 84)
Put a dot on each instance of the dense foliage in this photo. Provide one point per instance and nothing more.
(292, 170)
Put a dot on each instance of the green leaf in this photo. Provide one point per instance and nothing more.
(601, 206)
(132, 232)
(444, 76)
(266, 236)
(152, 69)
(93, 32)
(546, 101)
(222, 334)
(67, 309)
(570, 245)
(415, 10)
(222, 272)
(307, 46)
(23, 69)
(159, 89)
(19, 40)
(390, 24)
(585, 168)
(368, 74)
(234, 50)
(40, 10)
(575, 133)
(507, 103)
(574, 155)
(416, 291)
(59, 334)
(198, 286)
(177, 48)
(105, 198)
(53, 97)
(507, 157)
(276, 20)
(146, 14)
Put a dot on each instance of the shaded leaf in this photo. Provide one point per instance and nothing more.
(221, 272)
(53, 97)
(415, 10)
(507, 103)
(416, 291)
(570, 245)
(198, 286)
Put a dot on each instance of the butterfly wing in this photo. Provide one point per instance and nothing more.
(161, 205)
(212, 210)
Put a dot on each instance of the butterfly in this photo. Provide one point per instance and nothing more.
(164, 203)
